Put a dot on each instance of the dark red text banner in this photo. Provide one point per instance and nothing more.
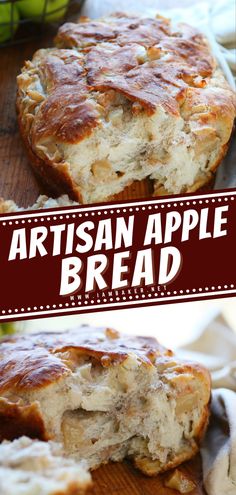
(129, 254)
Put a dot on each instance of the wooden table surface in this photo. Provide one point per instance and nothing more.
(123, 479)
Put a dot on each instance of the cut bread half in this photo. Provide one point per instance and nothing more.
(104, 396)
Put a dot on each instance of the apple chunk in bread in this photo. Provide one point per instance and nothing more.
(105, 396)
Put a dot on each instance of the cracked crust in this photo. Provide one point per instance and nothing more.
(41, 354)
(122, 99)
(105, 396)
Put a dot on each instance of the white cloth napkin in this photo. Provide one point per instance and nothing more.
(219, 449)
(216, 349)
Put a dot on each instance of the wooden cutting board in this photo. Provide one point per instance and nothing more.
(123, 479)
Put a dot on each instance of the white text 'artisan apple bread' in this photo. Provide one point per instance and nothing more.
(32, 467)
(122, 99)
(104, 396)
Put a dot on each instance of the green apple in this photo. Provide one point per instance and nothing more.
(7, 328)
(8, 13)
(33, 9)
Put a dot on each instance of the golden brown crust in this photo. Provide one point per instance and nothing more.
(40, 366)
(122, 30)
(43, 365)
(151, 81)
(55, 177)
(17, 420)
(68, 113)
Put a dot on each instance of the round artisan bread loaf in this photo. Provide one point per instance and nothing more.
(104, 396)
(122, 99)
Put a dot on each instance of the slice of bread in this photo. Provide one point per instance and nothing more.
(31, 467)
(123, 99)
(104, 396)
(43, 202)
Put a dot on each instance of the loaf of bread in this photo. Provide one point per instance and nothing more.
(123, 99)
(32, 467)
(104, 396)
